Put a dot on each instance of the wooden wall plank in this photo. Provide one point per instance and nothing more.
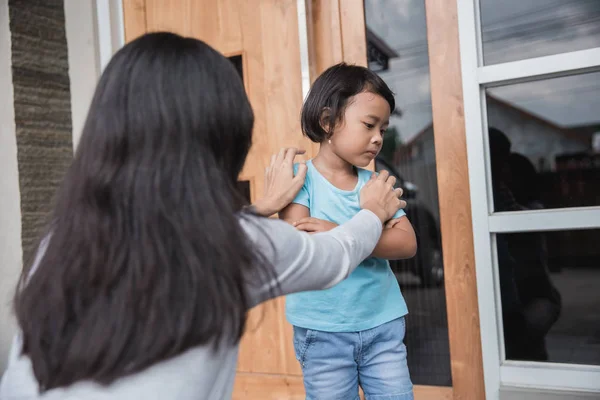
(336, 33)
(276, 92)
(326, 32)
(454, 198)
(433, 393)
(266, 34)
(267, 387)
(134, 18)
(354, 34)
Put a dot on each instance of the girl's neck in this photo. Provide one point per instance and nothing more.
(330, 163)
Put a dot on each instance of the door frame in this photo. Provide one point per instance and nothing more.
(337, 32)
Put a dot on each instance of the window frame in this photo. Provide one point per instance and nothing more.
(476, 78)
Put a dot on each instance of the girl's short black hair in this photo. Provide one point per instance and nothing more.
(331, 92)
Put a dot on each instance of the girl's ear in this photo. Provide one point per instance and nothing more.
(326, 123)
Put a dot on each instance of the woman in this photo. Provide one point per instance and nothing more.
(142, 283)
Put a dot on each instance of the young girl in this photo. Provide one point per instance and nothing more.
(351, 334)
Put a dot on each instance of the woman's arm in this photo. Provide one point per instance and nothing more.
(305, 262)
(398, 240)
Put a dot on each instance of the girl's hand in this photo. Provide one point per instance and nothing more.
(392, 222)
(314, 225)
(281, 186)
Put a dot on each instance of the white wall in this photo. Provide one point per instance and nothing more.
(94, 32)
(10, 200)
(84, 62)
(86, 59)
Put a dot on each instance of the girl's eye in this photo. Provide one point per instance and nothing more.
(369, 126)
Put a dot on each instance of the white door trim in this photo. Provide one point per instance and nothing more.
(95, 32)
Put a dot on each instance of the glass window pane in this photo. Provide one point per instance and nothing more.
(544, 147)
(397, 50)
(515, 30)
(550, 298)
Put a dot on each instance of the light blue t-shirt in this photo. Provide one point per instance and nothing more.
(370, 296)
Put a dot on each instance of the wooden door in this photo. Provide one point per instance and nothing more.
(265, 34)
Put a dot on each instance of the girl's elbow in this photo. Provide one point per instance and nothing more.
(411, 250)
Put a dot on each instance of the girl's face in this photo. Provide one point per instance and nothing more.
(358, 138)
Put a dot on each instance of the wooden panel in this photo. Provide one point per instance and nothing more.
(271, 34)
(267, 387)
(266, 34)
(326, 33)
(336, 33)
(134, 16)
(433, 393)
(454, 198)
(215, 22)
(354, 35)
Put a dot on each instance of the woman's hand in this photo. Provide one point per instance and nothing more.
(378, 195)
(281, 186)
(314, 225)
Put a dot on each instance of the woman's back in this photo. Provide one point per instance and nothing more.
(301, 263)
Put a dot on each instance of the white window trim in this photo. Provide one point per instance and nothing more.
(546, 67)
(545, 220)
(543, 376)
(488, 323)
(475, 78)
(110, 28)
(304, 53)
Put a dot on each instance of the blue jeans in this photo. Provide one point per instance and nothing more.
(335, 364)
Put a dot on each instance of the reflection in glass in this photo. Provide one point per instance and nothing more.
(397, 51)
(515, 30)
(550, 298)
(543, 136)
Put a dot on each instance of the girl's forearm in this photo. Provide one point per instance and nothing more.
(396, 244)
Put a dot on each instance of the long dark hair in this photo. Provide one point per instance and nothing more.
(145, 254)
